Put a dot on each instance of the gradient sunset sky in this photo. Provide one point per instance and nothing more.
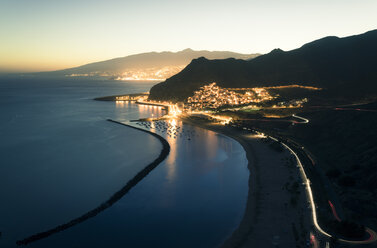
(38, 35)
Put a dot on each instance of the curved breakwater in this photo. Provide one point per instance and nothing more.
(113, 199)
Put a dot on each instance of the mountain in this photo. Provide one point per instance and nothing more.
(152, 65)
(343, 67)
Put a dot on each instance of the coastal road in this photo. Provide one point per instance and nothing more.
(308, 189)
(325, 236)
(304, 120)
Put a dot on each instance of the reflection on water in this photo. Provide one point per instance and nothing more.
(147, 111)
(73, 159)
(120, 104)
(211, 140)
(131, 111)
(59, 156)
(153, 126)
(171, 138)
(195, 198)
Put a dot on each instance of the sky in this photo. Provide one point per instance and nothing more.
(39, 35)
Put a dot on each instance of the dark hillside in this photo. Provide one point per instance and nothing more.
(344, 67)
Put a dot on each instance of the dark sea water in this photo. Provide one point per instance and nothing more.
(60, 158)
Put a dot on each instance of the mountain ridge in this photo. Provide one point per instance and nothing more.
(338, 65)
(144, 61)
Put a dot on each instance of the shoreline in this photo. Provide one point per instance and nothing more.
(251, 231)
(242, 236)
(113, 199)
(239, 235)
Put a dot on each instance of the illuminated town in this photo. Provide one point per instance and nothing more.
(211, 101)
(212, 97)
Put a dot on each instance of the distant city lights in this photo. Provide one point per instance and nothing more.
(150, 74)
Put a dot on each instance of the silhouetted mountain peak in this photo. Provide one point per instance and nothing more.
(343, 67)
(276, 51)
(200, 59)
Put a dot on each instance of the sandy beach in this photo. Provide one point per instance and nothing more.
(277, 213)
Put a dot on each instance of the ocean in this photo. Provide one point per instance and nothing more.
(60, 158)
